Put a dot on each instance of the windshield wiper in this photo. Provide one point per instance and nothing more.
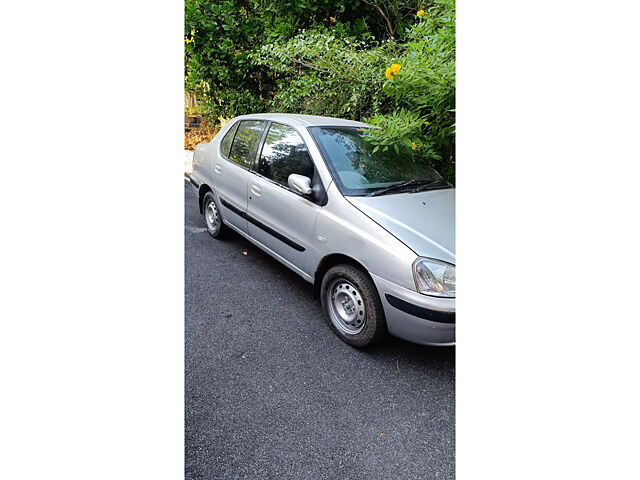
(397, 186)
(421, 186)
(432, 184)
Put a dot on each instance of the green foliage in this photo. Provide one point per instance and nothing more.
(323, 74)
(426, 85)
(331, 58)
(219, 37)
(396, 129)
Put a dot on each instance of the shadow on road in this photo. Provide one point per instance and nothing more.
(433, 357)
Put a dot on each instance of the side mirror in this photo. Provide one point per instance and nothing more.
(300, 184)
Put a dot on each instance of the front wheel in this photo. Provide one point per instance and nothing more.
(352, 306)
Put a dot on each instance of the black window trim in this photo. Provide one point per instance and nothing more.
(263, 139)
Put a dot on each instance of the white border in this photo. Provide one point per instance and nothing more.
(547, 322)
(92, 245)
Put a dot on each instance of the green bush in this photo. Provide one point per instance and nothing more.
(320, 73)
(423, 90)
(219, 37)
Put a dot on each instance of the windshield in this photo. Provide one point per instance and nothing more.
(359, 171)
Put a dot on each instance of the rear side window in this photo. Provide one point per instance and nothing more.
(284, 152)
(245, 142)
(226, 141)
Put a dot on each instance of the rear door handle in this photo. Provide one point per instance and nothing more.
(217, 168)
(255, 189)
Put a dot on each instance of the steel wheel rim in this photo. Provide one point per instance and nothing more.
(346, 307)
(211, 215)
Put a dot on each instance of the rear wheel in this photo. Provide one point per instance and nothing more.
(212, 217)
(352, 306)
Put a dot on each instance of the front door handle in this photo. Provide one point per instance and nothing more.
(255, 189)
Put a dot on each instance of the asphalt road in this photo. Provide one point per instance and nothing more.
(271, 392)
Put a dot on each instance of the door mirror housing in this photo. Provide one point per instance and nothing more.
(300, 184)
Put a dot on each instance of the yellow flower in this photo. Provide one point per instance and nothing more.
(420, 13)
(391, 71)
(413, 145)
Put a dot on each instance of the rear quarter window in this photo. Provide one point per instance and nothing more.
(225, 145)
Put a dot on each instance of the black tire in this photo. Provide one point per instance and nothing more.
(364, 330)
(212, 216)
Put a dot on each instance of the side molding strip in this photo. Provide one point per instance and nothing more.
(193, 182)
(234, 209)
(262, 226)
(275, 234)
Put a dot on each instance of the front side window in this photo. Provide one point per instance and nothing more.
(245, 142)
(225, 145)
(284, 152)
(358, 170)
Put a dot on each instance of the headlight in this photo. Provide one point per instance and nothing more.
(434, 277)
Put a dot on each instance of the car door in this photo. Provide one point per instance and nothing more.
(231, 171)
(279, 218)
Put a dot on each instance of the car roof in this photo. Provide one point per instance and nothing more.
(297, 120)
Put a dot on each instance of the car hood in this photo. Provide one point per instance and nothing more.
(424, 221)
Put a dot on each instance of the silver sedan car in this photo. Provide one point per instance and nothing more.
(371, 229)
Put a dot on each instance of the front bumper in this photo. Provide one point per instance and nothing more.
(415, 317)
